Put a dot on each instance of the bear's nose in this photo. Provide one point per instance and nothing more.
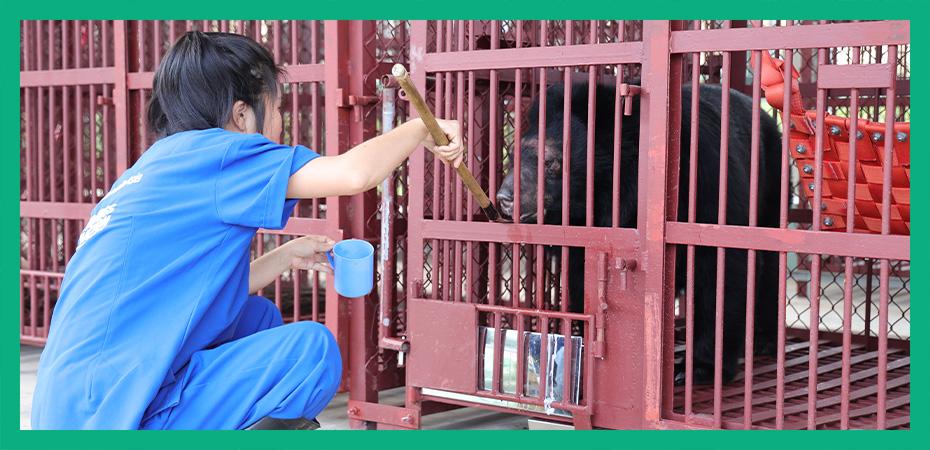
(505, 203)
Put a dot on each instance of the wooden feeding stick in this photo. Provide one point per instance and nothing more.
(413, 96)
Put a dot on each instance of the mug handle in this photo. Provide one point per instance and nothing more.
(329, 256)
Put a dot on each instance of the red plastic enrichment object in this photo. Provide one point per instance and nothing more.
(869, 164)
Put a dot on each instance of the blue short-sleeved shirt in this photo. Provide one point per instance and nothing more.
(161, 270)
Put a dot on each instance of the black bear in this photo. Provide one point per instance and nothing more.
(737, 211)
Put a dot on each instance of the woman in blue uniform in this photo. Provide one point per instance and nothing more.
(156, 326)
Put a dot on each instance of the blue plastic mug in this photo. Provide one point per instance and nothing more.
(353, 262)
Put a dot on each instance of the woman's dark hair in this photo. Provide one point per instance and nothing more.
(203, 75)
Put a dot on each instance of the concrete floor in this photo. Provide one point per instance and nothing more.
(333, 417)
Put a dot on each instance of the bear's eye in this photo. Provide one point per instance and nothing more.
(554, 166)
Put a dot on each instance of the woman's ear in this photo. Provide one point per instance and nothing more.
(242, 118)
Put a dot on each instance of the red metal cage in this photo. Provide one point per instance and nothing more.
(476, 314)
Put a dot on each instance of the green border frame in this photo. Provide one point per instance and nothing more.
(13, 438)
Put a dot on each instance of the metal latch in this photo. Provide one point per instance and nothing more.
(356, 102)
(625, 266)
(627, 92)
(601, 310)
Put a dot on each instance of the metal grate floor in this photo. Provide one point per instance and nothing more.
(863, 388)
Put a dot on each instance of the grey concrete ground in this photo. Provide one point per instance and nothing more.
(333, 417)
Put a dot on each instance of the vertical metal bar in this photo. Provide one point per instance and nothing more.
(52, 143)
(518, 126)
(472, 268)
(459, 191)
(592, 107)
(314, 280)
(41, 156)
(753, 222)
(849, 262)
(22, 291)
(567, 365)
(33, 307)
(315, 297)
(259, 251)
(817, 260)
(876, 59)
(42, 150)
(543, 356)
(884, 269)
(618, 133)
(659, 79)
(276, 45)
(437, 174)
(315, 113)
(79, 130)
(144, 124)
(105, 128)
(108, 91)
(156, 48)
(314, 29)
(566, 171)
(295, 111)
(385, 262)
(121, 95)
(497, 363)
(173, 31)
(586, 371)
(57, 53)
(78, 53)
(666, 303)
(27, 46)
(692, 218)
(541, 150)
(68, 193)
(721, 220)
(493, 149)
(224, 26)
(277, 281)
(521, 356)
(46, 306)
(569, 32)
(40, 35)
(448, 193)
(92, 43)
(67, 53)
(516, 260)
(106, 39)
(336, 51)
(869, 272)
(26, 172)
(50, 24)
(295, 278)
(92, 102)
